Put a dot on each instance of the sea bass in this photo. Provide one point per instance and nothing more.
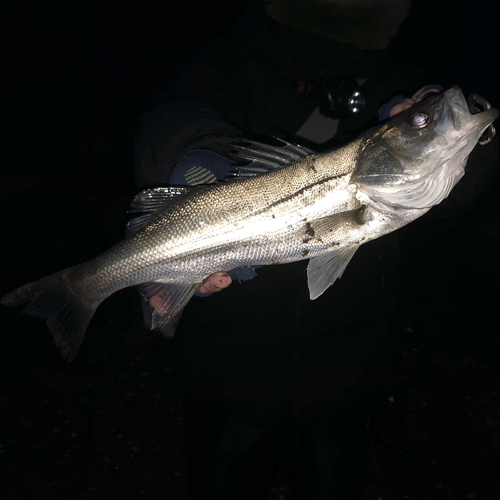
(321, 207)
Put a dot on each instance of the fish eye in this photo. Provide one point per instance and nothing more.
(419, 119)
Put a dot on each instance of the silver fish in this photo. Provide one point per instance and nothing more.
(321, 207)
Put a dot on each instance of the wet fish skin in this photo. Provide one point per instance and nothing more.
(321, 208)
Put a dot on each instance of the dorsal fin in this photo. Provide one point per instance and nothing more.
(257, 157)
(153, 201)
(262, 158)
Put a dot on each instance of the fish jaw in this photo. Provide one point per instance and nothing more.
(415, 168)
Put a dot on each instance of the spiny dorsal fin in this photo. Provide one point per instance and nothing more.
(260, 159)
(263, 158)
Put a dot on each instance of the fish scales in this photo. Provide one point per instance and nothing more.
(321, 208)
(224, 216)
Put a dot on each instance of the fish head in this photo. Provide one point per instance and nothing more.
(414, 160)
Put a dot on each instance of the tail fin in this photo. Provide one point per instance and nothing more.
(67, 313)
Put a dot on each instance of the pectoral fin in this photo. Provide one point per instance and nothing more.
(338, 237)
(172, 298)
(322, 272)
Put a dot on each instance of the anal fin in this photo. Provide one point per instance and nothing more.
(168, 298)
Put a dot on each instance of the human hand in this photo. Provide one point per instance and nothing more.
(215, 282)
(408, 103)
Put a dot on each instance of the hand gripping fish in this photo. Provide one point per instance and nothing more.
(320, 207)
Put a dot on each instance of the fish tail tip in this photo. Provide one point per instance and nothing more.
(67, 314)
(6, 300)
(18, 296)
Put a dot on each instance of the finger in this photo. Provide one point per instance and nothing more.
(402, 106)
(426, 93)
(216, 282)
(157, 303)
(156, 300)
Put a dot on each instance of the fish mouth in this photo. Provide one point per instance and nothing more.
(465, 123)
(485, 119)
(456, 96)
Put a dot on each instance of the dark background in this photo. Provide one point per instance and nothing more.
(111, 422)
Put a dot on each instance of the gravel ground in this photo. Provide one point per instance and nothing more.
(112, 424)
